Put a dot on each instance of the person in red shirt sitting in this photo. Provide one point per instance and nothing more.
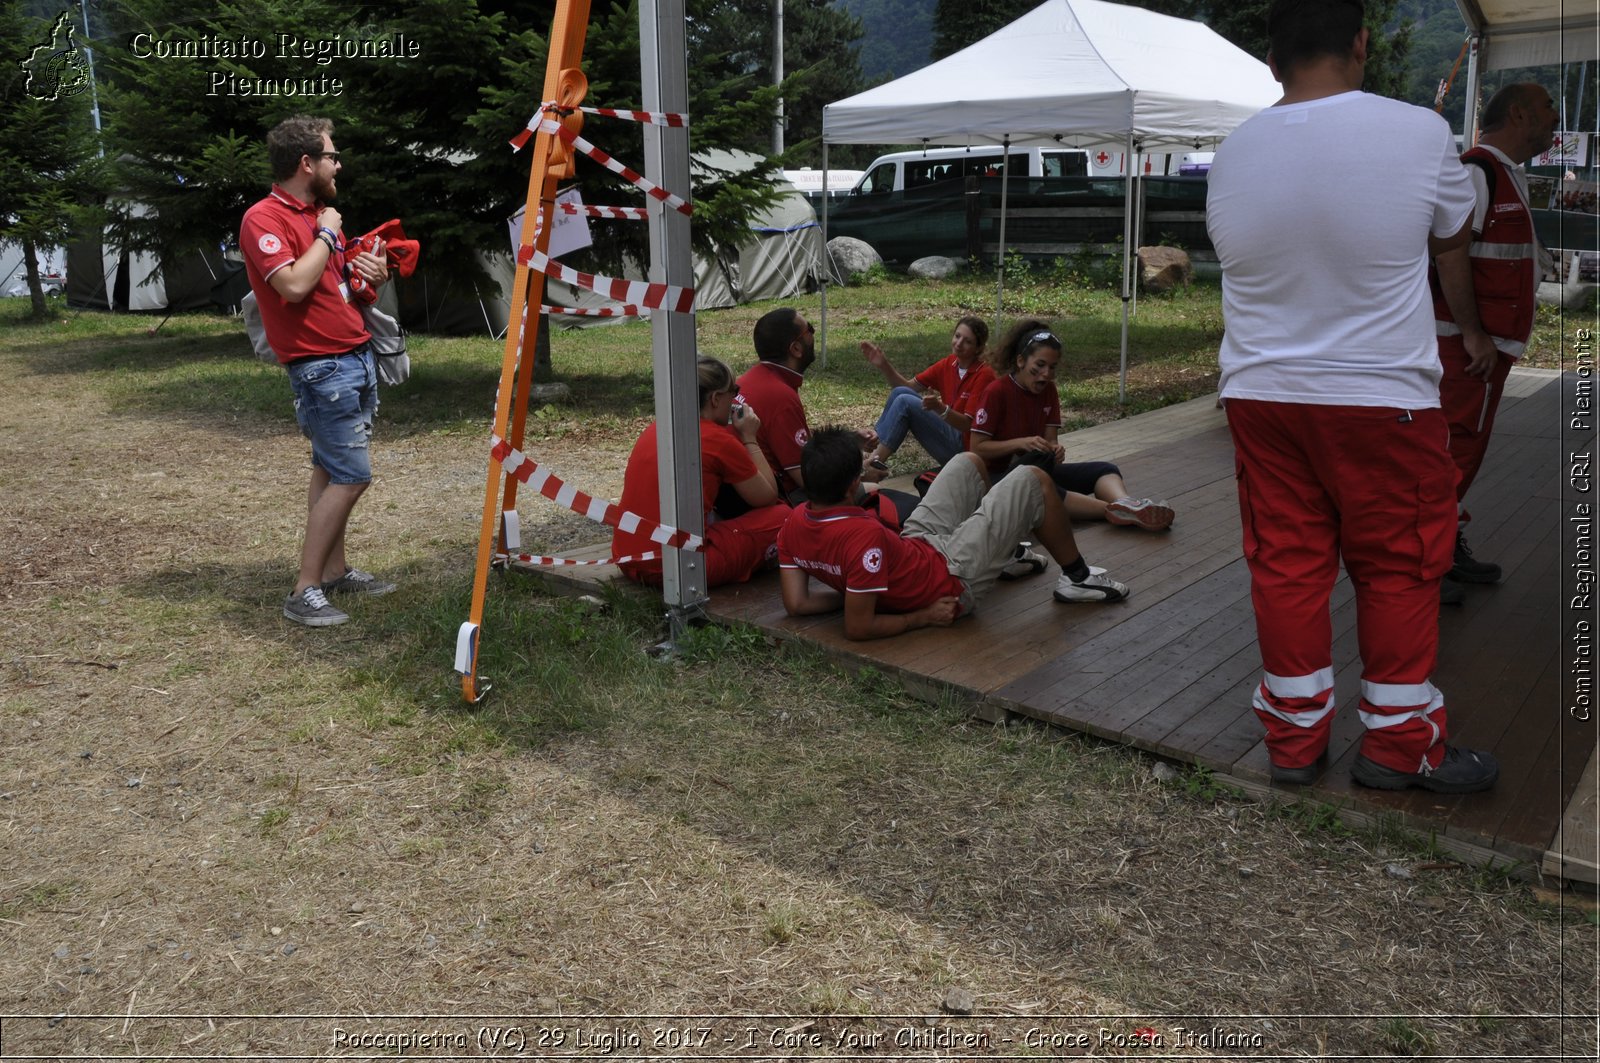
(1017, 421)
(947, 557)
(729, 458)
(936, 405)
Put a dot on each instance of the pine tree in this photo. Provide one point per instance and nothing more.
(49, 165)
(425, 136)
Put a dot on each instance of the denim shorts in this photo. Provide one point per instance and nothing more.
(335, 398)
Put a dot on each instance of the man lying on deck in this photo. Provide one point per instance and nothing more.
(947, 556)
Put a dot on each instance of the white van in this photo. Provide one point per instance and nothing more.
(905, 170)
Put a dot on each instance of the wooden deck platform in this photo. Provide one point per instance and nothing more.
(1172, 669)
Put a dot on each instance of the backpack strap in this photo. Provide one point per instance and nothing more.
(1489, 172)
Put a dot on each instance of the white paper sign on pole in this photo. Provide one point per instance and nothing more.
(571, 232)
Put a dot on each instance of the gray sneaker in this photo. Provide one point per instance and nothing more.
(355, 581)
(1096, 587)
(310, 607)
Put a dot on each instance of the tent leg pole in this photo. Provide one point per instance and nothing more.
(1000, 273)
(1127, 239)
(1138, 232)
(827, 260)
(1474, 90)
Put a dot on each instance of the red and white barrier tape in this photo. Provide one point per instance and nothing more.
(542, 480)
(598, 311)
(540, 559)
(626, 213)
(666, 118)
(638, 180)
(637, 293)
(661, 118)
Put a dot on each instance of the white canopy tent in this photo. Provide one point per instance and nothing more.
(1507, 34)
(1079, 73)
(1518, 33)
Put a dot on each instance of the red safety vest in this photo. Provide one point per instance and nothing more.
(1503, 257)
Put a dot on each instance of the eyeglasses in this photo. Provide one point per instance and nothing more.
(334, 155)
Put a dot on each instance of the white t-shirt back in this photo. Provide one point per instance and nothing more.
(1320, 213)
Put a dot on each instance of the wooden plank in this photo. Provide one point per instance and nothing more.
(1173, 670)
(1537, 796)
(1574, 852)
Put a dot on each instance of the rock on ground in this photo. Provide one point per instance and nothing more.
(1162, 269)
(1568, 296)
(851, 256)
(935, 267)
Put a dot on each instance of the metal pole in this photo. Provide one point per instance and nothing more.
(663, 61)
(1127, 238)
(94, 89)
(1138, 232)
(827, 264)
(1469, 124)
(1000, 274)
(777, 74)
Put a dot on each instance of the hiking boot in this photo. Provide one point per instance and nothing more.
(1450, 592)
(355, 581)
(1462, 771)
(1469, 569)
(1144, 513)
(1024, 562)
(1303, 776)
(1095, 587)
(310, 607)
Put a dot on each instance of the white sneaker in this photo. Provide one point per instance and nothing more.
(1097, 587)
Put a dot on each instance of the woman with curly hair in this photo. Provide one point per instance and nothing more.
(1017, 421)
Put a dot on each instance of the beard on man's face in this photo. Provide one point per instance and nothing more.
(323, 189)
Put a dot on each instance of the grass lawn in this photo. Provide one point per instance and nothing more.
(209, 811)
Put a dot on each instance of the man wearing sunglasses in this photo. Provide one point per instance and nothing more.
(786, 345)
(293, 246)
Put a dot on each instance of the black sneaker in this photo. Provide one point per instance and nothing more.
(1469, 569)
(310, 607)
(1025, 561)
(1304, 776)
(1462, 771)
(1450, 592)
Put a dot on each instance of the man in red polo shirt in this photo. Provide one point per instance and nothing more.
(786, 345)
(294, 256)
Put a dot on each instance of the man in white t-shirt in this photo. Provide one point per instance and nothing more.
(1331, 382)
(1484, 295)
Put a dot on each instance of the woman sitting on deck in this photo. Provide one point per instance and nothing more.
(729, 456)
(1016, 423)
(936, 406)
